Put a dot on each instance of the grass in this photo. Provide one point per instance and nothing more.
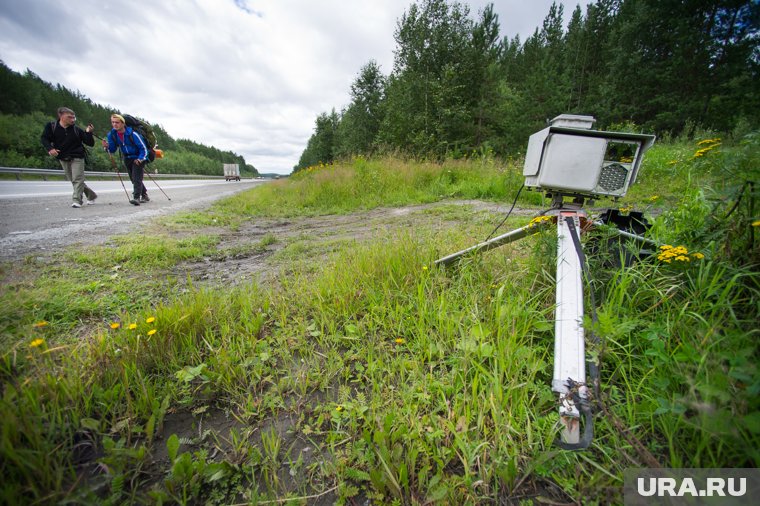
(366, 373)
(366, 184)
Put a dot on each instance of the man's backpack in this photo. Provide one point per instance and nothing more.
(146, 132)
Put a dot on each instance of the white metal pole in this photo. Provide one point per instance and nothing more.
(569, 350)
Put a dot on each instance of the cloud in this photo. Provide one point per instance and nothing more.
(248, 76)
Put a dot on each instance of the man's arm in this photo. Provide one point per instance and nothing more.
(109, 143)
(86, 136)
(142, 148)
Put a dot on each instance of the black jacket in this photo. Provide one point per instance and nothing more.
(68, 141)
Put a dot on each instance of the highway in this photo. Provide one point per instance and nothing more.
(37, 217)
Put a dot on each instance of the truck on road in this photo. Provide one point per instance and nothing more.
(231, 172)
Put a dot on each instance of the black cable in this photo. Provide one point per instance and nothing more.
(508, 213)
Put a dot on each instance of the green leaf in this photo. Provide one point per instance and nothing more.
(752, 422)
(172, 446)
(90, 423)
(437, 494)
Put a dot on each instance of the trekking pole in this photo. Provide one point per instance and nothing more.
(113, 164)
(154, 182)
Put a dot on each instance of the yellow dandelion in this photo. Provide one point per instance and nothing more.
(115, 325)
(653, 198)
(132, 326)
(39, 324)
(756, 223)
(424, 267)
(151, 332)
(698, 256)
(400, 340)
(338, 408)
(538, 220)
(36, 343)
(151, 319)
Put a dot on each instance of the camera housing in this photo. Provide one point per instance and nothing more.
(570, 159)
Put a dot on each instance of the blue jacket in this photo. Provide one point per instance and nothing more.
(133, 147)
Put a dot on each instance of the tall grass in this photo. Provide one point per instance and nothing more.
(410, 384)
(366, 184)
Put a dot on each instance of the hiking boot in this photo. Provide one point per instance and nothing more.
(76, 204)
(144, 199)
(134, 202)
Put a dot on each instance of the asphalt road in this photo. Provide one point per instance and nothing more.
(37, 217)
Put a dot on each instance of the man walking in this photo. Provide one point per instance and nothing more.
(65, 141)
(134, 151)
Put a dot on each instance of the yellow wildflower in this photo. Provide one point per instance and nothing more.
(400, 340)
(151, 319)
(132, 326)
(151, 332)
(698, 256)
(115, 325)
(37, 342)
(756, 223)
(39, 324)
(653, 198)
(538, 220)
(682, 258)
(338, 408)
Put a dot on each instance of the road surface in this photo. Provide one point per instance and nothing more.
(37, 217)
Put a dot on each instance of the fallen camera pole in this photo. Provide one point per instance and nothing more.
(569, 159)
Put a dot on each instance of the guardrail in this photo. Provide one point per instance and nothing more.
(59, 172)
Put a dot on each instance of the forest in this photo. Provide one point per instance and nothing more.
(457, 86)
(27, 102)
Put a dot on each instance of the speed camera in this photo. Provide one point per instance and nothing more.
(569, 158)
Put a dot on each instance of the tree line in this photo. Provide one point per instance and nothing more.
(27, 103)
(458, 87)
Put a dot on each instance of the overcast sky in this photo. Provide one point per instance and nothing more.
(249, 76)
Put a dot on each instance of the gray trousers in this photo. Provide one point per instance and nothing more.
(74, 172)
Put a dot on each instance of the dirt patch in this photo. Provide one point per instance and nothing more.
(249, 253)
